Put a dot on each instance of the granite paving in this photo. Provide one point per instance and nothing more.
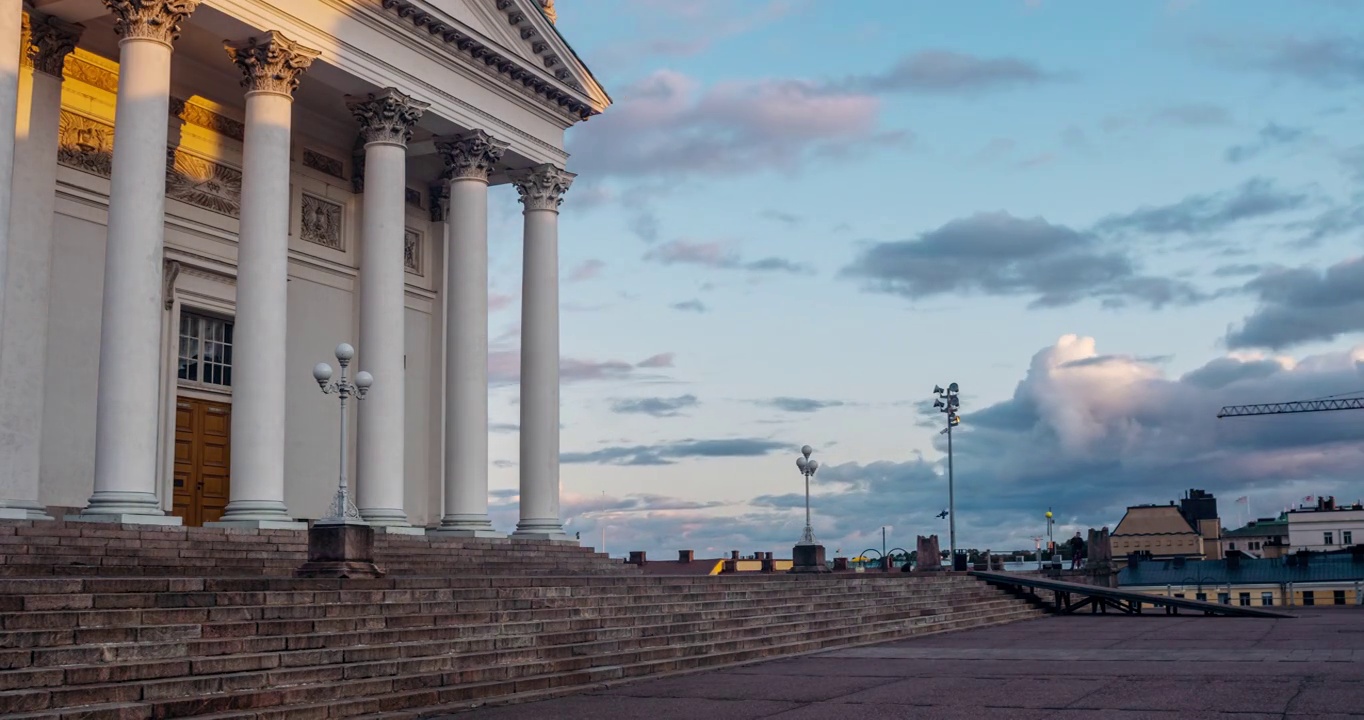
(1161, 667)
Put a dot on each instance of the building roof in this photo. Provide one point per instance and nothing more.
(1252, 571)
(1263, 527)
(1153, 520)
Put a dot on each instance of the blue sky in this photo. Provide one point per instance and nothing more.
(1104, 220)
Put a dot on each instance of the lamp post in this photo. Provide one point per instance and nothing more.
(342, 511)
(807, 468)
(947, 403)
(1051, 542)
(807, 556)
(341, 545)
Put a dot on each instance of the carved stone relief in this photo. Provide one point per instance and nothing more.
(321, 223)
(85, 144)
(323, 164)
(204, 183)
(412, 251)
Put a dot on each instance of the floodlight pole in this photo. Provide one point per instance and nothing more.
(947, 403)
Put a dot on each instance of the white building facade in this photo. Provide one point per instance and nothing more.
(1326, 527)
(208, 196)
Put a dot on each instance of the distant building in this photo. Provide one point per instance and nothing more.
(1191, 530)
(1326, 527)
(1262, 538)
(1295, 579)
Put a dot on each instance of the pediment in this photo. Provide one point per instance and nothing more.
(509, 33)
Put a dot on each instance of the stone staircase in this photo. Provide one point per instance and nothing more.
(123, 648)
(75, 549)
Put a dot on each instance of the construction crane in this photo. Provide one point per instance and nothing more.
(1301, 406)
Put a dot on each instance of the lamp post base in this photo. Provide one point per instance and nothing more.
(808, 559)
(340, 551)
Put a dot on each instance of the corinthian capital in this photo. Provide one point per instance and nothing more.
(386, 116)
(272, 63)
(470, 155)
(150, 19)
(50, 40)
(543, 186)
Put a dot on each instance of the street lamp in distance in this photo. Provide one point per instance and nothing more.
(808, 555)
(947, 403)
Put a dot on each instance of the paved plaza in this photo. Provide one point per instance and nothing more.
(1085, 666)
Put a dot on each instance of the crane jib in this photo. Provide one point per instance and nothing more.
(1292, 407)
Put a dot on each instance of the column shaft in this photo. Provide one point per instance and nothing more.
(23, 339)
(11, 44)
(261, 331)
(126, 413)
(468, 159)
(386, 121)
(379, 452)
(541, 194)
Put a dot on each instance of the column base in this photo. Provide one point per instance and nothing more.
(541, 529)
(126, 519)
(259, 524)
(384, 517)
(399, 529)
(808, 559)
(473, 526)
(22, 510)
(260, 514)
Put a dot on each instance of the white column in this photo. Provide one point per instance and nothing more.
(11, 45)
(468, 160)
(542, 190)
(126, 413)
(23, 339)
(272, 66)
(386, 119)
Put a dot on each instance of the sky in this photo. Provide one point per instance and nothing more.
(1104, 221)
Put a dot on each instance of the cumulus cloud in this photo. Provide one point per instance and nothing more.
(799, 405)
(1000, 254)
(947, 71)
(719, 256)
(1270, 136)
(1200, 214)
(1300, 305)
(655, 406)
(667, 124)
(1085, 433)
(670, 452)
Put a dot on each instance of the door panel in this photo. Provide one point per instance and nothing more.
(202, 460)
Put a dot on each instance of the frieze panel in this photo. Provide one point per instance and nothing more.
(203, 183)
(324, 164)
(321, 223)
(203, 117)
(412, 251)
(82, 70)
(85, 144)
(413, 197)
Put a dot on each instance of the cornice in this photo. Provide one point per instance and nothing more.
(443, 30)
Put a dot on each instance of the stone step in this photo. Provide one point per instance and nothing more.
(66, 628)
(487, 652)
(246, 689)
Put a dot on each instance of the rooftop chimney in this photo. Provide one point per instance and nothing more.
(1234, 560)
(637, 558)
(686, 556)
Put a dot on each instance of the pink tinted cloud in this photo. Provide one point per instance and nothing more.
(499, 301)
(586, 271)
(668, 124)
(660, 360)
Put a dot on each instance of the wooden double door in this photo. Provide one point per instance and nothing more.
(202, 459)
